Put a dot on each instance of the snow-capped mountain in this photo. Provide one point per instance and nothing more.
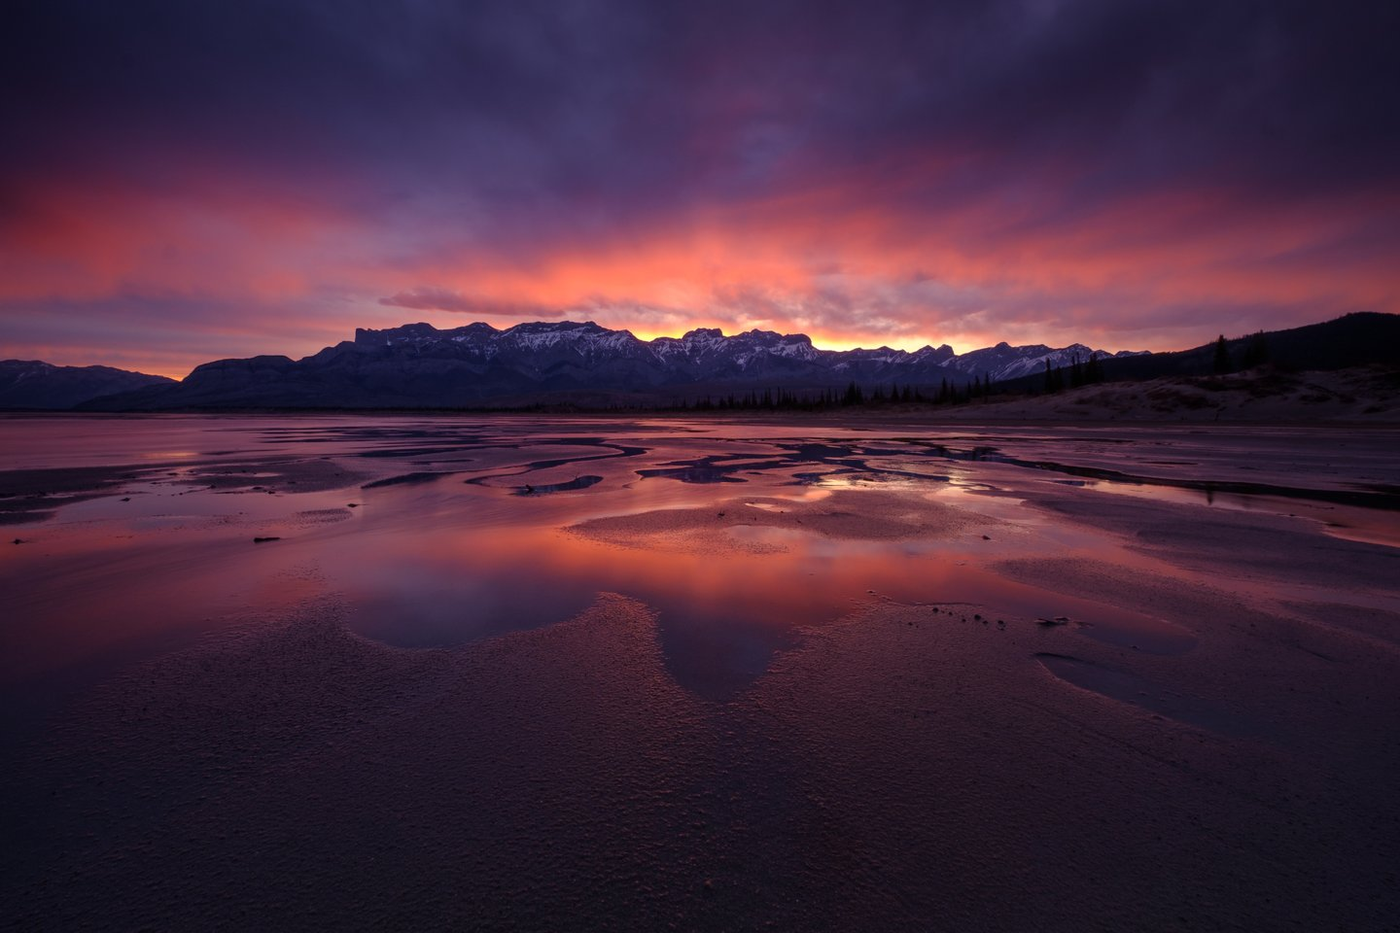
(706, 352)
(1004, 362)
(418, 365)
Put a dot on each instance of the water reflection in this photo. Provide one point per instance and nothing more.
(439, 532)
(457, 565)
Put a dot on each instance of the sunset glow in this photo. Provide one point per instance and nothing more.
(1134, 178)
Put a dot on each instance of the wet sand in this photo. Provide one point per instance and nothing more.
(841, 682)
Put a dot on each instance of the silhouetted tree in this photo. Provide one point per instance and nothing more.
(1222, 357)
(1093, 369)
(1256, 352)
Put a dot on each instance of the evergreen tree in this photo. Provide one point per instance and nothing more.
(1093, 370)
(1222, 357)
(1256, 352)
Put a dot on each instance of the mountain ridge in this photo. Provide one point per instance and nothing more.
(585, 365)
(419, 365)
(36, 385)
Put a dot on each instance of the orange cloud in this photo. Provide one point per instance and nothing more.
(204, 232)
(904, 253)
(1052, 280)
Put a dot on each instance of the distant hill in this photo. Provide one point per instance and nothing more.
(1360, 339)
(34, 385)
(583, 364)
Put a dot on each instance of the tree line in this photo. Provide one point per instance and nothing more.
(1256, 353)
(1056, 378)
(1080, 373)
(855, 394)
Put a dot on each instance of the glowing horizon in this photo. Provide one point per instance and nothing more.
(890, 176)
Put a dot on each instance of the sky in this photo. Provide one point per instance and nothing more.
(184, 181)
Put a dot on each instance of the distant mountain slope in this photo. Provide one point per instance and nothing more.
(31, 384)
(1359, 339)
(417, 366)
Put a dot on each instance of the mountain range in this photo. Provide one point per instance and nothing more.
(586, 365)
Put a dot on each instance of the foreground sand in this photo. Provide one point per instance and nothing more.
(1216, 750)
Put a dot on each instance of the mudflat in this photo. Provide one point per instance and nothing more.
(362, 672)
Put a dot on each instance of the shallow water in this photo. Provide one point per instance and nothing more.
(854, 676)
(442, 531)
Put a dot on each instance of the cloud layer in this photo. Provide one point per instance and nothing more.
(183, 178)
